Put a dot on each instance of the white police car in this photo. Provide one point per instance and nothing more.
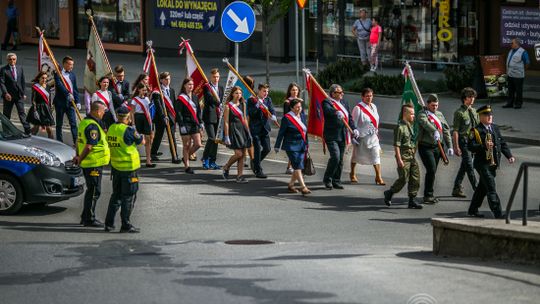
(34, 170)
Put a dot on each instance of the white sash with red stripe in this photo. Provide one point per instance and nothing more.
(373, 116)
(435, 120)
(297, 122)
(67, 80)
(190, 105)
(239, 114)
(144, 108)
(169, 104)
(41, 91)
(339, 107)
(108, 103)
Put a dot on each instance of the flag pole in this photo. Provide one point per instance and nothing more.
(167, 123)
(189, 51)
(51, 55)
(225, 60)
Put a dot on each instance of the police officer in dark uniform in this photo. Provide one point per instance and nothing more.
(486, 142)
(465, 118)
(123, 140)
(92, 154)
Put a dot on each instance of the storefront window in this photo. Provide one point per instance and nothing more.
(47, 18)
(467, 28)
(445, 46)
(330, 28)
(352, 12)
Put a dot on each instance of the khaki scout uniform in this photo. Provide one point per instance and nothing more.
(410, 173)
(465, 118)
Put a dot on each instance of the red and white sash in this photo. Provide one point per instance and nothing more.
(67, 81)
(435, 120)
(190, 105)
(339, 107)
(169, 104)
(297, 122)
(216, 95)
(41, 91)
(239, 114)
(104, 99)
(369, 114)
(263, 107)
(144, 108)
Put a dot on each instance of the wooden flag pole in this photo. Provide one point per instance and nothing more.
(58, 72)
(189, 50)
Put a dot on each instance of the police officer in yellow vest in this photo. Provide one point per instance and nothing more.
(123, 140)
(92, 154)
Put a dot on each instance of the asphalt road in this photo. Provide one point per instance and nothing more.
(339, 246)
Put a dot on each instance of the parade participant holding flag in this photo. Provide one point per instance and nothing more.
(236, 134)
(260, 112)
(189, 119)
(121, 91)
(40, 112)
(432, 127)
(368, 149)
(337, 122)
(66, 93)
(104, 95)
(164, 116)
(292, 137)
(143, 121)
(213, 93)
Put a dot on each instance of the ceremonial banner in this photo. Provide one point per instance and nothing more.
(232, 81)
(96, 66)
(193, 69)
(151, 69)
(46, 65)
(410, 95)
(316, 97)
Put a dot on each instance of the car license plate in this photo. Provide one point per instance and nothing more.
(78, 181)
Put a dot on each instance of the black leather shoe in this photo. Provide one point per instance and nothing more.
(260, 175)
(413, 204)
(154, 158)
(94, 223)
(159, 153)
(150, 165)
(517, 107)
(388, 197)
(328, 186)
(475, 214)
(508, 105)
(176, 161)
(337, 186)
(130, 229)
(109, 228)
(430, 200)
(189, 170)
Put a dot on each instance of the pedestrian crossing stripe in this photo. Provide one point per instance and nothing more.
(19, 158)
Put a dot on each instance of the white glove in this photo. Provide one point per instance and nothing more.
(70, 97)
(183, 130)
(274, 118)
(355, 142)
(121, 96)
(276, 150)
(36, 115)
(201, 126)
(340, 115)
(356, 133)
(79, 106)
(372, 130)
(227, 140)
(437, 135)
(450, 152)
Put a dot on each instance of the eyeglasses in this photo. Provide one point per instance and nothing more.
(338, 92)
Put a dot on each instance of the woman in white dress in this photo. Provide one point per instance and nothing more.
(368, 149)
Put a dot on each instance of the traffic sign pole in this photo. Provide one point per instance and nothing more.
(236, 55)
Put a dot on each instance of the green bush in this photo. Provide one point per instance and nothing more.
(432, 86)
(458, 77)
(340, 71)
(277, 97)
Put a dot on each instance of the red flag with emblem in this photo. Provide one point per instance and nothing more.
(193, 69)
(316, 96)
(151, 69)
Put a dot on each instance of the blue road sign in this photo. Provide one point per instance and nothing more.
(238, 21)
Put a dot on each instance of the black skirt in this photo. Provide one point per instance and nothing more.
(44, 116)
(191, 128)
(142, 125)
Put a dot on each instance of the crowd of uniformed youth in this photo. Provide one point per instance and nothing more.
(119, 118)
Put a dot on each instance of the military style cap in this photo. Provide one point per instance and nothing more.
(485, 110)
(432, 98)
(123, 110)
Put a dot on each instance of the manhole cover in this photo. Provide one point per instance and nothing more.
(248, 242)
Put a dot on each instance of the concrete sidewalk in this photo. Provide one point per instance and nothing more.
(519, 126)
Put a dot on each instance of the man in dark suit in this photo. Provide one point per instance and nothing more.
(336, 114)
(487, 159)
(213, 94)
(63, 97)
(120, 94)
(261, 112)
(161, 120)
(12, 89)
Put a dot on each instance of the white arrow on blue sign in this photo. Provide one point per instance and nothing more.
(238, 21)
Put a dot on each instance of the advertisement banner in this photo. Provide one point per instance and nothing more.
(494, 70)
(187, 15)
(520, 22)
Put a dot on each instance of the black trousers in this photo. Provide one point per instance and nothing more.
(466, 166)
(261, 148)
(515, 91)
(11, 28)
(334, 167)
(211, 147)
(486, 187)
(158, 136)
(124, 193)
(70, 112)
(430, 157)
(19, 104)
(92, 176)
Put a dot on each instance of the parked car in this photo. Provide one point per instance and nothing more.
(34, 169)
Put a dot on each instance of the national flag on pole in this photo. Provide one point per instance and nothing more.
(95, 67)
(45, 63)
(411, 94)
(316, 97)
(150, 68)
(193, 69)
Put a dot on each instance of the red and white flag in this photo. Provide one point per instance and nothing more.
(193, 69)
(150, 68)
(45, 64)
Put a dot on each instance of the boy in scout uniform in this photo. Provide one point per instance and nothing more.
(432, 127)
(123, 140)
(487, 159)
(407, 166)
(465, 118)
(92, 154)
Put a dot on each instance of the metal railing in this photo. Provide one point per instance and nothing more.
(523, 171)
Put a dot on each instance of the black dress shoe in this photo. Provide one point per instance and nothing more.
(337, 186)
(260, 175)
(413, 204)
(159, 153)
(475, 214)
(154, 158)
(508, 105)
(328, 186)
(388, 197)
(130, 229)
(176, 161)
(109, 228)
(189, 170)
(430, 200)
(94, 223)
(150, 165)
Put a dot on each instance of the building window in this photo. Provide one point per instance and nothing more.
(47, 18)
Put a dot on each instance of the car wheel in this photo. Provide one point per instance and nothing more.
(11, 199)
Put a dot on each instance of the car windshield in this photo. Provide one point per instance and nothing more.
(8, 130)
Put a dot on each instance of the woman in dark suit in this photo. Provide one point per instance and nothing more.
(292, 137)
(293, 92)
(189, 119)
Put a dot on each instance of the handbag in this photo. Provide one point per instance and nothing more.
(309, 167)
